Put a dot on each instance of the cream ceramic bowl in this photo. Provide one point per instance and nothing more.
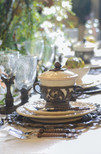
(84, 50)
(58, 78)
(86, 46)
(80, 71)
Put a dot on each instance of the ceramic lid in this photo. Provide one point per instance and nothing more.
(84, 46)
(57, 73)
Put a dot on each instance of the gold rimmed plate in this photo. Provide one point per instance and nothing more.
(56, 120)
(22, 111)
(31, 107)
(89, 81)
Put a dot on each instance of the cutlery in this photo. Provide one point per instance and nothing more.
(58, 132)
(64, 135)
(17, 135)
(21, 134)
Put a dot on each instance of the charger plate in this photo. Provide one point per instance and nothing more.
(56, 120)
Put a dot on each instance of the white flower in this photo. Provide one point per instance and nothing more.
(66, 5)
(58, 18)
(47, 24)
(49, 11)
(57, 8)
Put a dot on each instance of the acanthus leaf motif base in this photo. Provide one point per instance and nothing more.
(59, 97)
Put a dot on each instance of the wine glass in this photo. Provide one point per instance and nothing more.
(34, 48)
(49, 56)
(72, 35)
(7, 63)
(25, 74)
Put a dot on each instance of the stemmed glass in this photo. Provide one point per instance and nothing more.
(49, 56)
(25, 74)
(7, 62)
(72, 35)
(34, 48)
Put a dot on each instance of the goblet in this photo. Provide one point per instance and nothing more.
(49, 57)
(25, 74)
(72, 35)
(7, 61)
(34, 48)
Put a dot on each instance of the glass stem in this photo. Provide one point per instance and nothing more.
(8, 98)
(24, 96)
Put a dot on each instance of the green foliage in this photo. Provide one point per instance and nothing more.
(20, 20)
(2, 102)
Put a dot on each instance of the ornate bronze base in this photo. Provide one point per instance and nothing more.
(58, 94)
(63, 106)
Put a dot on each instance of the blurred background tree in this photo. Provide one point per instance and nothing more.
(82, 9)
(18, 21)
(21, 20)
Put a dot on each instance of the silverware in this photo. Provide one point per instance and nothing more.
(63, 135)
(21, 134)
(58, 132)
(15, 134)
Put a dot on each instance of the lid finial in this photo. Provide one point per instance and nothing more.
(57, 67)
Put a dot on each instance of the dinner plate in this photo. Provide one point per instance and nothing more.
(32, 107)
(89, 81)
(96, 66)
(92, 90)
(22, 111)
(96, 61)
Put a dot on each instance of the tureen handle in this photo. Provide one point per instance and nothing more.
(36, 87)
(78, 91)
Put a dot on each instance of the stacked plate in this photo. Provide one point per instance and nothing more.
(89, 81)
(37, 112)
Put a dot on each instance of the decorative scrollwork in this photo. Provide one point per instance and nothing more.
(58, 97)
(56, 94)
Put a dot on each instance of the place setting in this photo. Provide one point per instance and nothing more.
(56, 104)
(53, 102)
